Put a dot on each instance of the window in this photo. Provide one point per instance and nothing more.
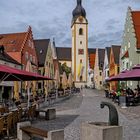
(127, 65)
(92, 79)
(101, 65)
(26, 56)
(131, 83)
(81, 78)
(34, 59)
(29, 43)
(100, 82)
(41, 51)
(125, 48)
(129, 44)
(39, 85)
(108, 73)
(100, 73)
(122, 51)
(128, 30)
(80, 31)
(118, 70)
(130, 63)
(80, 51)
(31, 58)
(80, 42)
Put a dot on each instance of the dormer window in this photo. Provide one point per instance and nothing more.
(12, 42)
(41, 51)
(80, 31)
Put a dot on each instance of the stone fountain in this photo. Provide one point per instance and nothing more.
(103, 130)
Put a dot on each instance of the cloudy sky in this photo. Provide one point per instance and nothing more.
(52, 18)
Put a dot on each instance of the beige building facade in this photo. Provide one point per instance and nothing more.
(79, 30)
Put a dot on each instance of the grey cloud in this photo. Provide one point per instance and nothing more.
(104, 40)
(52, 18)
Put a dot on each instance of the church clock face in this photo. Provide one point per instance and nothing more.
(81, 19)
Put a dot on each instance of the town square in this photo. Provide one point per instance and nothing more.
(70, 70)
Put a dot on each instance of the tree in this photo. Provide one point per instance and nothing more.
(66, 69)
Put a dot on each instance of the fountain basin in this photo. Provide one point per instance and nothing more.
(100, 131)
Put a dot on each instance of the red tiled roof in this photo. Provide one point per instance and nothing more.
(136, 23)
(12, 42)
(116, 53)
(92, 60)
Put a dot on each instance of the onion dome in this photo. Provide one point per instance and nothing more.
(78, 11)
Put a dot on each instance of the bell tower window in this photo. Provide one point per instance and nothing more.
(80, 31)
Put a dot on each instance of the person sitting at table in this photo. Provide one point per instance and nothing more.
(17, 103)
(129, 92)
(118, 95)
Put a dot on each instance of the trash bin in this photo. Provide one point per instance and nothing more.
(122, 101)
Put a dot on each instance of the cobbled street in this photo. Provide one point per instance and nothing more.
(85, 107)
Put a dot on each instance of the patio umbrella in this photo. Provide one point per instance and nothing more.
(57, 81)
(12, 74)
(46, 82)
(133, 75)
(16, 90)
(70, 81)
(28, 84)
(64, 81)
(118, 77)
(33, 83)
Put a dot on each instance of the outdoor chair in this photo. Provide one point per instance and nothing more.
(4, 110)
(30, 114)
(8, 124)
(1, 126)
(15, 119)
(20, 111)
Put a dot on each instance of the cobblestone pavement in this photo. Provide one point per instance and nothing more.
(85, 107)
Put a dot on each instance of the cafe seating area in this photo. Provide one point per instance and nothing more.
(10, 117)
(130, 97)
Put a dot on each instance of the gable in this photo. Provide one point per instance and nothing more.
(101, 55)
(116, 53)
(12, 42)
(41, 47)
(112, 62)
(136, 23)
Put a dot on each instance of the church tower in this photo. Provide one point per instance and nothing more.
(79, 28)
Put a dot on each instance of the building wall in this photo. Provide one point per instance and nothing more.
(49, 68)
(129, 44)
(8, 84)
(113, 69)
(106, 67)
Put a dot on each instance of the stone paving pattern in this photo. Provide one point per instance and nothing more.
(85, 107)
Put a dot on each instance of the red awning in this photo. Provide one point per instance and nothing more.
(12, 74)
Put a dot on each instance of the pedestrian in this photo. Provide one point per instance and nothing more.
(81, 87)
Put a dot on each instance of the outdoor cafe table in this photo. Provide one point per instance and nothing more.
(4, 115)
